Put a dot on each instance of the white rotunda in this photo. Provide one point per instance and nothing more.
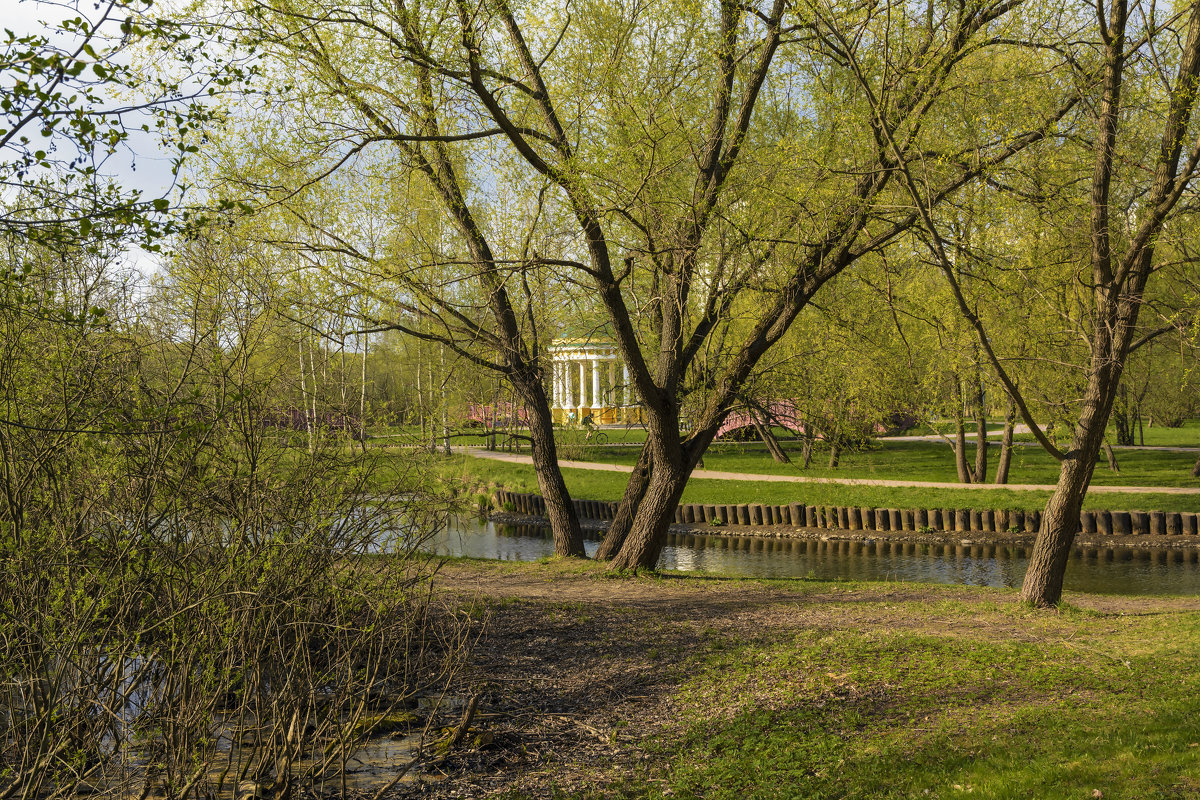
(588, 378)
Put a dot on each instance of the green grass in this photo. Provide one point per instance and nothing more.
(895, 714)
(1186, 435)
(596, 485)
(928, 461)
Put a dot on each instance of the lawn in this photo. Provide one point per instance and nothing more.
(909, 712)
(1186, 435)
(596, 485)
(922, 461)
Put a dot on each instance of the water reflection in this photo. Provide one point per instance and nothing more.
(1121, 570)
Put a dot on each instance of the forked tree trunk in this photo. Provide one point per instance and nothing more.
(622, 523)
(1006, 444)
(644, 543)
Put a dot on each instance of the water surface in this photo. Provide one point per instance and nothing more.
(1113, 570)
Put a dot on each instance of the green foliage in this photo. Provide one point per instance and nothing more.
(178, 575)
(81, 91)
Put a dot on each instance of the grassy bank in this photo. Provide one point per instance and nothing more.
(925, 461)
(676, 687)
(597, 485)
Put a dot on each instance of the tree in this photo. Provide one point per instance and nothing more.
(702, 208)
(837, 221)
(1127, 217)
(446, 275)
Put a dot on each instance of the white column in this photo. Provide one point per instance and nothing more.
(568, 390)
(596, 383)
(626, 390)
(560, 395)
(610, 397)
(582, 383)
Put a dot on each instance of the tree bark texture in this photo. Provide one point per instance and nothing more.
(960, 447)
(644, 544)
(981, 434)
(564, 522)
(673, 462)
(622, 523)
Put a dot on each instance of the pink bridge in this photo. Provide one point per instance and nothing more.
(490, 416)
(778, 412)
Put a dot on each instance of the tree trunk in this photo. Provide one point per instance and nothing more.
(672, 465)
(1060, 521)
(1006, 443)
(960, 448)
(564, 523)
(773, 447)
(1196, 469)
(420, 394)
(835, 453)
(1121, 418)
(622, 523)
(433, 437)
(1112, 458)
(644, 543)
(362, 398)
(445, 407)
(981, 435)
(807, 451)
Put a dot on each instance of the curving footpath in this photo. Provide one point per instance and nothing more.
(744, 476)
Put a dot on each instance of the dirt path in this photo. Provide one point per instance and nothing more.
(515, 458)
(576, 668)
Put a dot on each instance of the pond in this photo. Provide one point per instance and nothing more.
(1113, 570)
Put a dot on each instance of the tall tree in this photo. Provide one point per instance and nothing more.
(1148, 70)
(831, 218)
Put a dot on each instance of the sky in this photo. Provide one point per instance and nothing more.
(141, 164)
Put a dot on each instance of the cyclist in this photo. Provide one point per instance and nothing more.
(589, 424)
